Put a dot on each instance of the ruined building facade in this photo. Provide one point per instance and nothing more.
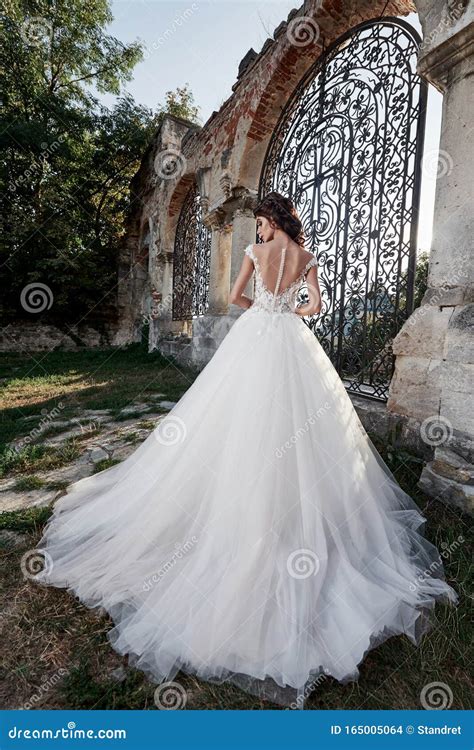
(330, 111)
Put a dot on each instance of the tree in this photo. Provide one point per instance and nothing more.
(67, 161)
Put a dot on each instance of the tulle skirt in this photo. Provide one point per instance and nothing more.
(256, 536)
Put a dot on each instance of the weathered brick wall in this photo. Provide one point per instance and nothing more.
(225, 156)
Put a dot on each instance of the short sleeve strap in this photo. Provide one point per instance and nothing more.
(312, 262)
(249, 251)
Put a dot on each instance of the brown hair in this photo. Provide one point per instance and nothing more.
(276, 207)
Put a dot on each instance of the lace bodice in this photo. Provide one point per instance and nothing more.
(276, 301)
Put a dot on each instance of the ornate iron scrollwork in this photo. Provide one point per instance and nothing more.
(347, 149)
(192, 258)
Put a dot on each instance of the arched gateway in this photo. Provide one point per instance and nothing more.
(192, 252)
(347, 149)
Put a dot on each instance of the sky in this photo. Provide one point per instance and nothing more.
(201, 43)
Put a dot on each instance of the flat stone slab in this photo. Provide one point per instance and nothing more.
(7, 484)
(97, 454)
(113, 442)
(30, 499)
(134, 408)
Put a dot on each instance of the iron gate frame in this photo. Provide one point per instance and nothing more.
(316, 76)
(191, 260)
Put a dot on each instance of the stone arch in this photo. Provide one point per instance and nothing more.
(288, 66)
(340, 151)
(162, 270)
(191, 255)
(285, 76)
(227, 154)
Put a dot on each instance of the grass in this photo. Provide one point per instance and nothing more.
(49, 630)
(105, 463)
(58, 484)
(37, 457)
(131, 437)
(28, 520)
(83, 689)
(24, 484)
(60, 383)
(50, 638)
(147, 424)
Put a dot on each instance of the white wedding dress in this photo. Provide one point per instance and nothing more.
(256, 536)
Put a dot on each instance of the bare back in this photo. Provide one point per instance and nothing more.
(269, 256)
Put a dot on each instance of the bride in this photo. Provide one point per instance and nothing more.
(256, 536)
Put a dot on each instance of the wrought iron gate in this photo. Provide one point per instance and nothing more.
(347, 150)
(191, 262)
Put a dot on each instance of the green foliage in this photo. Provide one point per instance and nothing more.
(421, 277)
(67, 161)
(32, 482)
(180, 103)
(29, 519)
(36, 457)
(380, 328)
(14, 461)
(421, 280)
(105, 463)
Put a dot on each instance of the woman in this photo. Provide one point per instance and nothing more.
(256, 536)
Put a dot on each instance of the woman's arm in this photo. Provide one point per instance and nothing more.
(313, 306)
(236, 296)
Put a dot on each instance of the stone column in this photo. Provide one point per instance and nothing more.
(234, 228)
(243, 234)
(220, 262)
(434, 371)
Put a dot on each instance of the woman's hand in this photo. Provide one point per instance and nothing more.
(313, 306)
(307, 309)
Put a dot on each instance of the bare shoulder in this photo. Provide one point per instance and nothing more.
(249, 251)
(306, 257)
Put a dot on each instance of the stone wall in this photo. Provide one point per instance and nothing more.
(225, 158)
(430, 405)
(30, 336)
(434, 369)
(430, 408)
